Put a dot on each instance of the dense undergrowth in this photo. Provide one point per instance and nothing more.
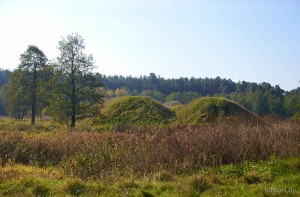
(148, 149)
(177, 160)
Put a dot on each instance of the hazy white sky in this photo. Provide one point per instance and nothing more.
(250, 40)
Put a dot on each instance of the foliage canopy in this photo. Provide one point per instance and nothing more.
(76, 91)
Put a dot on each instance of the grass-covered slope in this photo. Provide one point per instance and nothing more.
(215, 109)
(137, 110)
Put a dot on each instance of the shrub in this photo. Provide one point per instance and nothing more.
(163, 176)
(198, 184)
(76, 187)
(231, 171)
(146, 193)
(173, 149)
(41, 191)
(129, 183)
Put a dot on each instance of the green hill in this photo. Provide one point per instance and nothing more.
(214, 110)
(136, 110)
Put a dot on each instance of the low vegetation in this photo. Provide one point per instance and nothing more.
(177, 157)
(175, 149)
(173, 161)
(274, 177)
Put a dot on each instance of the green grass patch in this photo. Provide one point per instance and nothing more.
(275, 177)
(136, 110)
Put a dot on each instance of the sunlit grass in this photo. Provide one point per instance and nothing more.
(276, 177)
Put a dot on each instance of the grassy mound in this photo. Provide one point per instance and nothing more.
(213, 110)
(136, 110)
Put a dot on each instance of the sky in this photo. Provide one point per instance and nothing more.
(243, 40)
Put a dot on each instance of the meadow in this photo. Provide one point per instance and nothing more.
(174, 160)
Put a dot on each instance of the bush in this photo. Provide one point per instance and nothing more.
(199, 184)
(252, 178)
(146, 193)
(75, 188)
(163, 176)
(41, 191)
(231, 171)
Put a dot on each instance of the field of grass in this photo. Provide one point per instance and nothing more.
(178, 160)
(274, 177)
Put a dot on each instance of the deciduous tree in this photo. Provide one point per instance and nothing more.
(32, 61)
(17, 95)
(77, 92)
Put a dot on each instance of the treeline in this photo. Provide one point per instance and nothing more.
(4, 76)
(262, 98)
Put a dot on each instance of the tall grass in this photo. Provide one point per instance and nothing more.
(177, 149)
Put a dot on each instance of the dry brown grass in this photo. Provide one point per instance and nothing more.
(177, 149)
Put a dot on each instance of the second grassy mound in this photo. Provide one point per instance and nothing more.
(214, 110)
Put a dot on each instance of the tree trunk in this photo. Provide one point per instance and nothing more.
(4, 160)
(73, 122)
(73, 98)
(73, 103)
(73, 115)
(33, 111)
(33, 97)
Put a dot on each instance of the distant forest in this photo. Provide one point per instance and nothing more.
(261, 98)
(4, 77)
